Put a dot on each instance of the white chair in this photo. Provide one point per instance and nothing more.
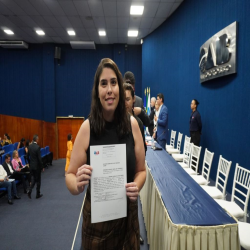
(179, 157)
(178, 148)
(219, 190)
(203, 179)
(194, 161)
(241, 192)
(172, 140)
(187, 154)
(244, 229)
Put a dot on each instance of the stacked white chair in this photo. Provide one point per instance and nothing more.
(187, 155)
(178, 148)
(219, 190)
(179, 157)
(203, 179)
(172, 140)
(244, 229)
(194, 161)
(241, 192)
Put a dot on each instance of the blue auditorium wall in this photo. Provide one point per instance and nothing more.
(170, 59)
(34, 86)
(21, 82)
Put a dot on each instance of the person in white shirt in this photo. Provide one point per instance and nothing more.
(10, 185)
(17, 175)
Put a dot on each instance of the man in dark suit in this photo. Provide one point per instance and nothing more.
(17, 175)
(36, 166)
(130, 78)
(151, 116)
(162, 121)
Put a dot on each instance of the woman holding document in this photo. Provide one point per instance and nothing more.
(108, 124)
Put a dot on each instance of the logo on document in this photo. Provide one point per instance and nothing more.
(96, 152)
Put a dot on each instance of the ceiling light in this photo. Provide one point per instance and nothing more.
(141, 41)
(102, 33)
(71, 32)
(133, 33)
(40, 32)
(9, 32)
(136, 10)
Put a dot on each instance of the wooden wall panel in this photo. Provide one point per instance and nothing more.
(66, 126)
(49, 136)
(18, 127)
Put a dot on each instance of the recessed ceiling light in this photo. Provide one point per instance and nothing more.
(136, 10)
(9, 32)
(71, 32)
(141, 41)
(102, 33)
(133, 33)
(40, 32)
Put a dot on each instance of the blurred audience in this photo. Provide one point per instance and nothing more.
(5, 182)
(6, 140)
(13, 174)
(26, 148)
(21, 143)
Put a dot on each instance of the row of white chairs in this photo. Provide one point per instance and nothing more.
(189, 161)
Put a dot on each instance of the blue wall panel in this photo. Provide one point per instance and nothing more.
(37, 87)
(21, 82)
(170, 59)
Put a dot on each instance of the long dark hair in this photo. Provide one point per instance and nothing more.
(69, 137)
(96, 119)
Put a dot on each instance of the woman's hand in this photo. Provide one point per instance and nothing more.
(132, 191)
(83, 176)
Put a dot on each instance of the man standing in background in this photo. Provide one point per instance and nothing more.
(151, 116)
(162, 121)
(36, 166)
(195, 125)
(130, 78)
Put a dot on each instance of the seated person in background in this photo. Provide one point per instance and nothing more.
(6, 140)
(26, 148)
(17, 175)
(17, 163)
(10, 185)
(21, 143)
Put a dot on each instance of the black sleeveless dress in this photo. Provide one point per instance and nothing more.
(120, 234)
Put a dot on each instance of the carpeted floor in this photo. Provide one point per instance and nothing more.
(49, 222)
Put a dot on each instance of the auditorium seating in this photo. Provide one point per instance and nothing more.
(179, 157)
(15, 145)
(187, 153)
(8, 148)
(194, 161)
(172, 140)
(219, 190)
(176, 150)
(240, 194)
(21, 152)
(244, 229)
(203, 179)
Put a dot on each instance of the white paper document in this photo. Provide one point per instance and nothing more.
(108, 179)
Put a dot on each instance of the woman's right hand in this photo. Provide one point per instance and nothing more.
(83, 176)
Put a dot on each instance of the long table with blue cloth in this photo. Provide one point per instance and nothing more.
(178, 213)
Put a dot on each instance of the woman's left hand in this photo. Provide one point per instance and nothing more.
(132, 191)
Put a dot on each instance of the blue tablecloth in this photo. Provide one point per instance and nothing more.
(186, 202)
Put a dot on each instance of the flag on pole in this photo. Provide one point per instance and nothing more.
(147, 100)
(145, 103)
(148, 107)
